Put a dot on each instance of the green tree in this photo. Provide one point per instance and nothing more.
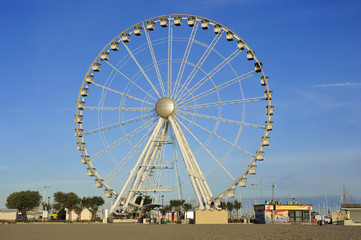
(70, 201)
(237, 206)
(187, 207)
(177, 206)
(23, 201)
(230, 207)
(223, 205)
(46, 206)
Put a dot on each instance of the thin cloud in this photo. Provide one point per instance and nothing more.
(346, 84)
(3, 168)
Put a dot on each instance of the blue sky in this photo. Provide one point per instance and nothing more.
(310, 49)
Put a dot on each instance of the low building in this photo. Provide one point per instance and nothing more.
(71, 215)
(353, 211)
(10, 215)
(211, 217)
(86, 215)
(282, 213)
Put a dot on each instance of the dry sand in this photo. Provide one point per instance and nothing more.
(175, 231)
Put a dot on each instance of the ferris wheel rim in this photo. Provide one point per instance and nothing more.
(198, 18)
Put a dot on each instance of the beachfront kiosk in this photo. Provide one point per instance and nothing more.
(283, 213)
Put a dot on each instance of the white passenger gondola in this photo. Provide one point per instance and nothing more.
(104, 56)
(78, 118)
(243, 182)
(260, 156)
(80, 146)
(240, 44)
(150, 25)
(264, 80)
(163, 22)
(231, 193)
(217, 29)
(229, 36)
(84, 91)
(89, 78)
(250, 54)
(204, 24)
(107, 194)
(84, 159)
(98, 183)
(96, 67)
(252, 169)
(269, 109)
(114, 46)
(268, 94)
(258, 67)
(137, 30)
(125, 37)
(90, 172)
(265, 140)
(177, 21)
(191, 21)
(80, 105)
(269, 125)
(78, 132)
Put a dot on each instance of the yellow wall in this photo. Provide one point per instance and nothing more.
(211, 217)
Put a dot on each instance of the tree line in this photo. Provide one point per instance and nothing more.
(25, 201)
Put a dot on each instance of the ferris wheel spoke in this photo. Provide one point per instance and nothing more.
(117, 70)
(216, 88)
(129, 155)
(221, 103)
(211, 74)
(123, 94)
(120, 109)
(170, 56)
(205, 148)
(121, 140)
(185, 58)
(141, 69)
(221, 119)
(198, 65)
(214, 134)
(150, 46)
(137, 119)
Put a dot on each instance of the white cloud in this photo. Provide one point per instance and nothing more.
(346, 84)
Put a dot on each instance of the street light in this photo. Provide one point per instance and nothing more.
(162, 201)
(44, 201)
(273, 202)
(273, 192)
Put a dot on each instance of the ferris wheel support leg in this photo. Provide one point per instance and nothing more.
(189, 159)
(151, 161)
(146, 162)
(133, 171)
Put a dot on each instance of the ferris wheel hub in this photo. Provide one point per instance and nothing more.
(165, 107)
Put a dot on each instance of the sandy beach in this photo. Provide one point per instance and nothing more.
(175, 231)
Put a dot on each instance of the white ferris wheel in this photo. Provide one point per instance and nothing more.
(176, 104)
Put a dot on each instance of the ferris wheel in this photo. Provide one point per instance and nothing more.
(176, 104)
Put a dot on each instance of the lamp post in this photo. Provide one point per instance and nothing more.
(162, 201)
(273, 202)
(44, 202)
